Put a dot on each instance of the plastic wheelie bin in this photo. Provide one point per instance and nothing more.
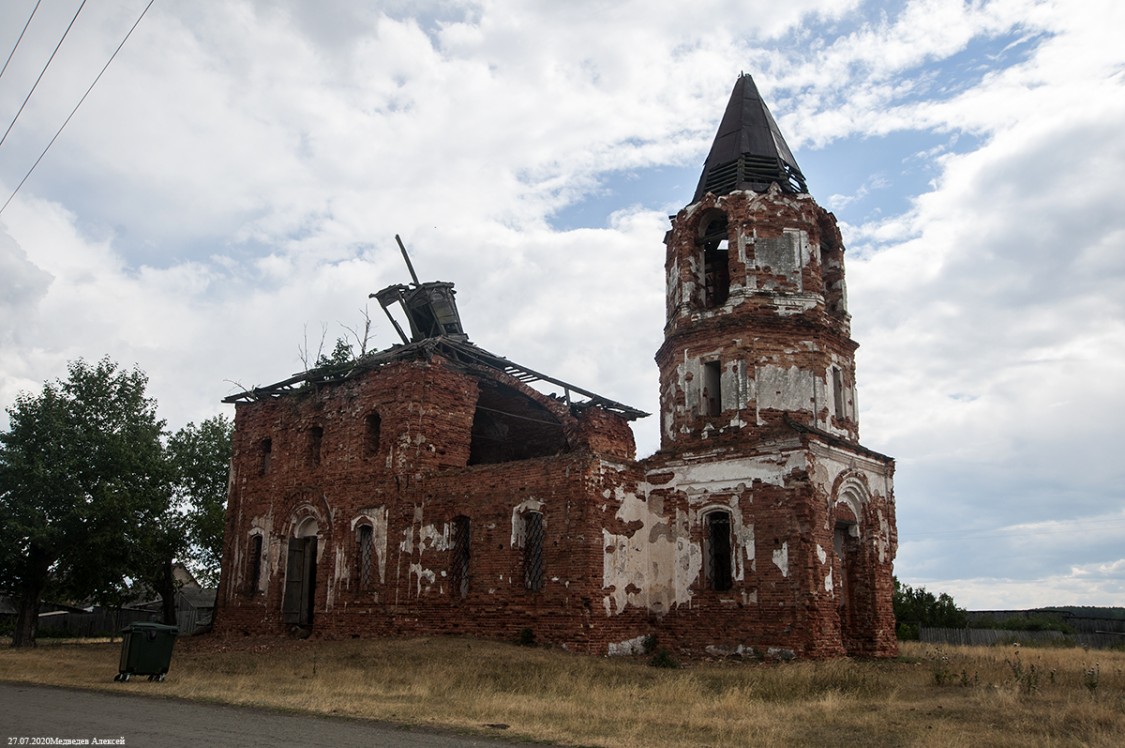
(146, 649)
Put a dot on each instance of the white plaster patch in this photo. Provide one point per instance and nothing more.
(884, 539)
(377, 518)
(820, 554)
(634, 646)
(729, 475)
(653, 567)
(430, 536)
(784, 388)
(781, 559)
(739, 650)
(519, 529)
(828, 582)
(421, 575)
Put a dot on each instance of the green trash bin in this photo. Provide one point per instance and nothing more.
(146, 649)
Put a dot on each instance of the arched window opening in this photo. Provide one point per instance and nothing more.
(265, 448)
(718, 546)
(254, 564)
(534, 534)
(365, 543)
(714, 242)
(372, 425)
(459, 558)
(316, 441)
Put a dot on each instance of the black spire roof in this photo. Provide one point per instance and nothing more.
(749, 152)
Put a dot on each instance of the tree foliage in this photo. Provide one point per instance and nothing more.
(200, 460)
(189, 528)
(93, 506)
(341, 358)
(915, 607)
(81, 468)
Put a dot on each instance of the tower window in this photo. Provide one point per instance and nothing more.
(718, 547)
(716, 260)
(265, 447)
(838, 392)
(316, 441)
(712, 388)
(371, 427)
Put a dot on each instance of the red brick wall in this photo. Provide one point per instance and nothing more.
(624, 540)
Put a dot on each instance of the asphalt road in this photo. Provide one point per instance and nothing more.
(28, 714)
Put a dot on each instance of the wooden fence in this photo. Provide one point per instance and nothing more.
(109, 622)
(98, 622)
(992, 637)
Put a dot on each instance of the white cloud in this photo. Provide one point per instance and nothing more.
(239, 174)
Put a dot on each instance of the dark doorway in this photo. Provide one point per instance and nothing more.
(300, 582)
(718, 551)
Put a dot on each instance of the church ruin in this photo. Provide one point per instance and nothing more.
(429, 489)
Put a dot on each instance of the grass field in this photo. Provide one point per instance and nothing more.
(929, 696)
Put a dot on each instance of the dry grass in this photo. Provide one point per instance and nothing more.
(928, 697)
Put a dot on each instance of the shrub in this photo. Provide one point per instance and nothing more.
(664, 659)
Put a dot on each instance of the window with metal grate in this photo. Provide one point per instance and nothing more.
(365, 538)
(459, 558)
(534, 532)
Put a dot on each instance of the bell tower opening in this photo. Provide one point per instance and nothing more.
(715, 245)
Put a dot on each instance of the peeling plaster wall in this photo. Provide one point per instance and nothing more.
(777, 335)
(653, 566)
(409, 490)
(626, 546)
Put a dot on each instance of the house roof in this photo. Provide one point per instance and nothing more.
(457, 350)
(749, 152)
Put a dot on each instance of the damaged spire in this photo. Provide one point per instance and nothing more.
(429, 307)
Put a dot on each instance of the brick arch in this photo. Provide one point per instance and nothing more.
(712, 245)
(306, 528)
(719, 545)
(301, 504)
(850, 497)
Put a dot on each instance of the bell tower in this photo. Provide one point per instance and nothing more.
(784, 524)
(757, 333)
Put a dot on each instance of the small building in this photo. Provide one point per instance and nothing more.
(430, 489)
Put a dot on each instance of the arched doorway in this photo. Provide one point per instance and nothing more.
(300, 575)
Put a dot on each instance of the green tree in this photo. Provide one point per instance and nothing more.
(188, 527)
(341, 358)
(200, 462)
(915, 607)
(82, 471)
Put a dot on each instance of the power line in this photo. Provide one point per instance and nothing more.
(42, 72)
(72, 111)
(20, 39)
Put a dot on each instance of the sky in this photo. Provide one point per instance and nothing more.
(221, 205)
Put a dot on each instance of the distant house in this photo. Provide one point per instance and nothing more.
(434, 487)
(195, 605)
